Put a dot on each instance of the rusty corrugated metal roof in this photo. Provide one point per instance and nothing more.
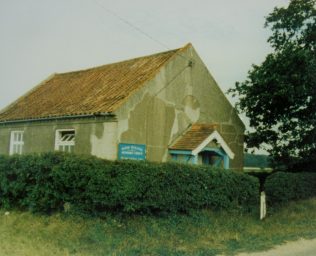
(97, 90)
(193, 137)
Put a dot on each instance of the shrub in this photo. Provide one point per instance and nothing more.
(74, 178)
(27, 181)
(45, 182)
(282, 187)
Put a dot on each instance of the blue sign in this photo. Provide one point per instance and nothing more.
(132, 151)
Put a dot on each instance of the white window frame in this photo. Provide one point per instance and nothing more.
(65, 146)
(16, 142)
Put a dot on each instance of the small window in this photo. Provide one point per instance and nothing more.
(16, 142)
(65, 140)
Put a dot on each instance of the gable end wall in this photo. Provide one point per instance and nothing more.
(182, 93)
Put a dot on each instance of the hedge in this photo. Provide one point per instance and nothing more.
(282, 187)
(45, 182)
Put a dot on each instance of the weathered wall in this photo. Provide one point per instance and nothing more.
(96, 137)
(182, 93)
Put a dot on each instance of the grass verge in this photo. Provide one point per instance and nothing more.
(200, 233)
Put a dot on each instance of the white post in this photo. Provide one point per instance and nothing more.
(263, 206)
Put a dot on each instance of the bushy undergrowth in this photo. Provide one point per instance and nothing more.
(282, 187)
(46, 182)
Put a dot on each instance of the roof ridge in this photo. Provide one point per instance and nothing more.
(126, 60)
(157, 70)
(126, 77)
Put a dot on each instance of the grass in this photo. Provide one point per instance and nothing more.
(200, 233)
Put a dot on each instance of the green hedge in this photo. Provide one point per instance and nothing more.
(282, 187)
(44, 183)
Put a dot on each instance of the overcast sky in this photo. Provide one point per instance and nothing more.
(41, 37)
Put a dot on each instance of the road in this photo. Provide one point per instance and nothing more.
(296, 248)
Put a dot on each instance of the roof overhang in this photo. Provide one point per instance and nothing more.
(55, 118)
(214, 136)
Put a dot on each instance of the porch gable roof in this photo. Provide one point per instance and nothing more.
(197, 137)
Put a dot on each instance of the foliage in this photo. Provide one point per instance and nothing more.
(282, 187)
(46, 182)
(279, 96)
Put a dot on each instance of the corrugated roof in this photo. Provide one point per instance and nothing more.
(97, 90)
(193, 137)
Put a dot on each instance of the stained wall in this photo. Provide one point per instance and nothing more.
(182, 93)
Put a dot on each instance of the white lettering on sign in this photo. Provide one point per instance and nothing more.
(132, 151)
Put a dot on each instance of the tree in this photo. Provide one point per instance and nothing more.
(279, 96)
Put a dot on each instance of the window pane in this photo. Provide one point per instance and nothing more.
(20, 149)
(65, 140)
(16, 142)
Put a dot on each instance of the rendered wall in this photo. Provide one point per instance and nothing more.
(96, 137)
(182, 93)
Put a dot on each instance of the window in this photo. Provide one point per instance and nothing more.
(16, 142)
(65, 140)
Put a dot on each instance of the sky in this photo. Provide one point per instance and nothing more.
(42, 37)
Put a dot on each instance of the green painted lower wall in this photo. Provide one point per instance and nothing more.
(95, 137)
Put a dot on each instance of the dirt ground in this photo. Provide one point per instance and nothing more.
(297, 248)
